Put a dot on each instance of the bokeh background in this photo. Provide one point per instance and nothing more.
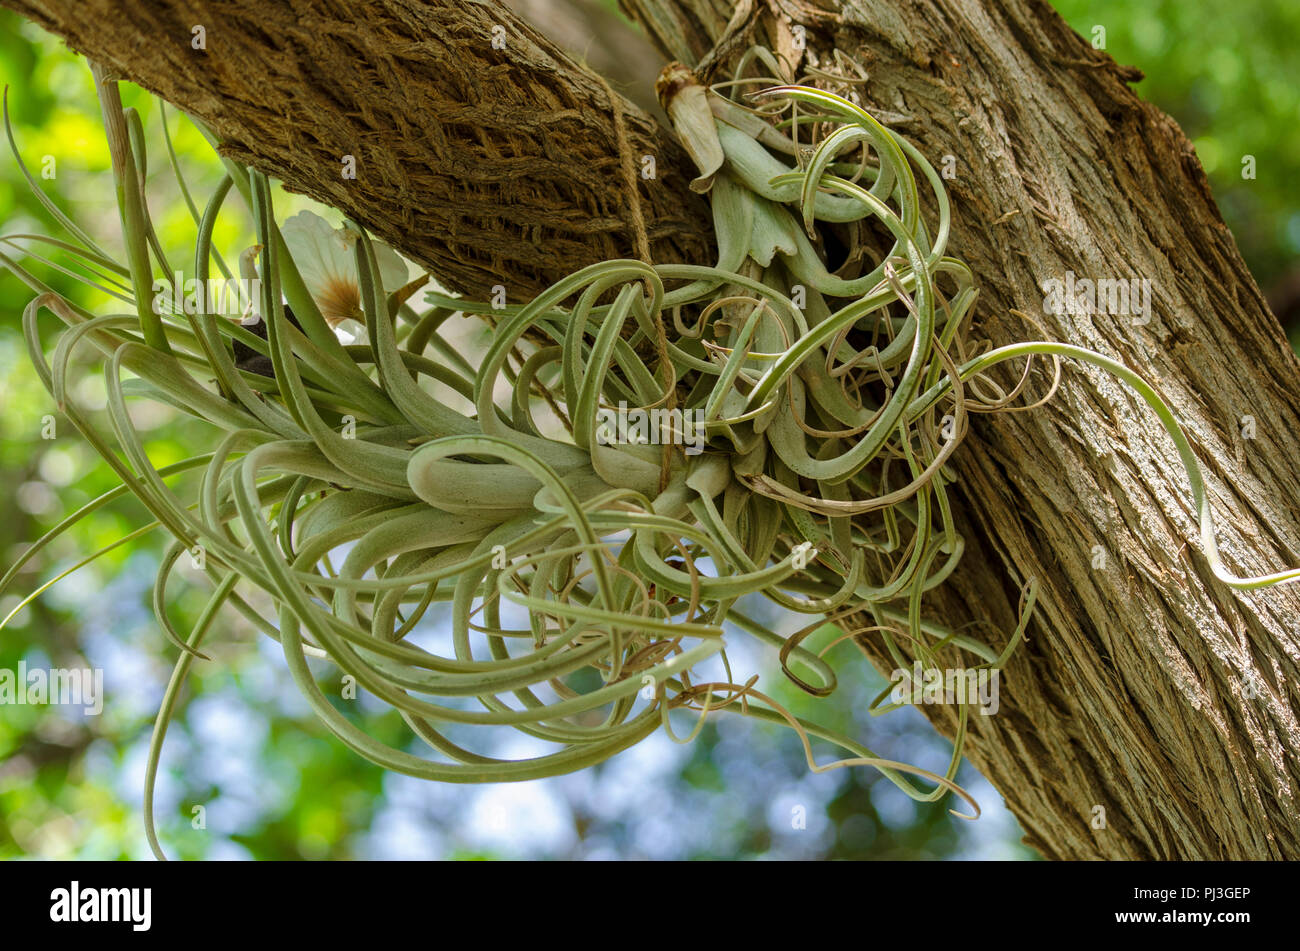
(273, 784)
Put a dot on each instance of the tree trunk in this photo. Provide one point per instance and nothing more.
(1146, 688)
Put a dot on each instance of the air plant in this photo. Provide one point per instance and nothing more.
(588, 578)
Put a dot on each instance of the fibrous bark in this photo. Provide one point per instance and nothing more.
(1146, 688)
(480, 149)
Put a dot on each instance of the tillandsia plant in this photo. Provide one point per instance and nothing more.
(362, 468)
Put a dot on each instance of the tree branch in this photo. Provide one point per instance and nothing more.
(487, 165)
(1148, 688)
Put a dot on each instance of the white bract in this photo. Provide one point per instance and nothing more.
(326, 259)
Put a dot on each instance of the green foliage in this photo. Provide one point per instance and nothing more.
(69, 786)
(1228, 73)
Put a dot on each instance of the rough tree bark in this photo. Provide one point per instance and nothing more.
(1146, 687)
(487, 163)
